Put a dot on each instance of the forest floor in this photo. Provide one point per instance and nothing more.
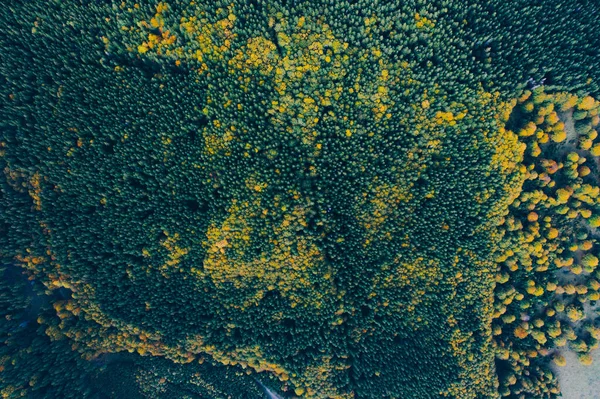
(576, 380)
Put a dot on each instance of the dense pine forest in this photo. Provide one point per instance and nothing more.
(308, 199)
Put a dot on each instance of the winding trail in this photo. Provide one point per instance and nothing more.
(270, 394)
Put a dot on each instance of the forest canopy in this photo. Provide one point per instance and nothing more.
(331, 199)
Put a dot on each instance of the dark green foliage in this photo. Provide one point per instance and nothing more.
(340, 243)
(32, 364)
(133, 376)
